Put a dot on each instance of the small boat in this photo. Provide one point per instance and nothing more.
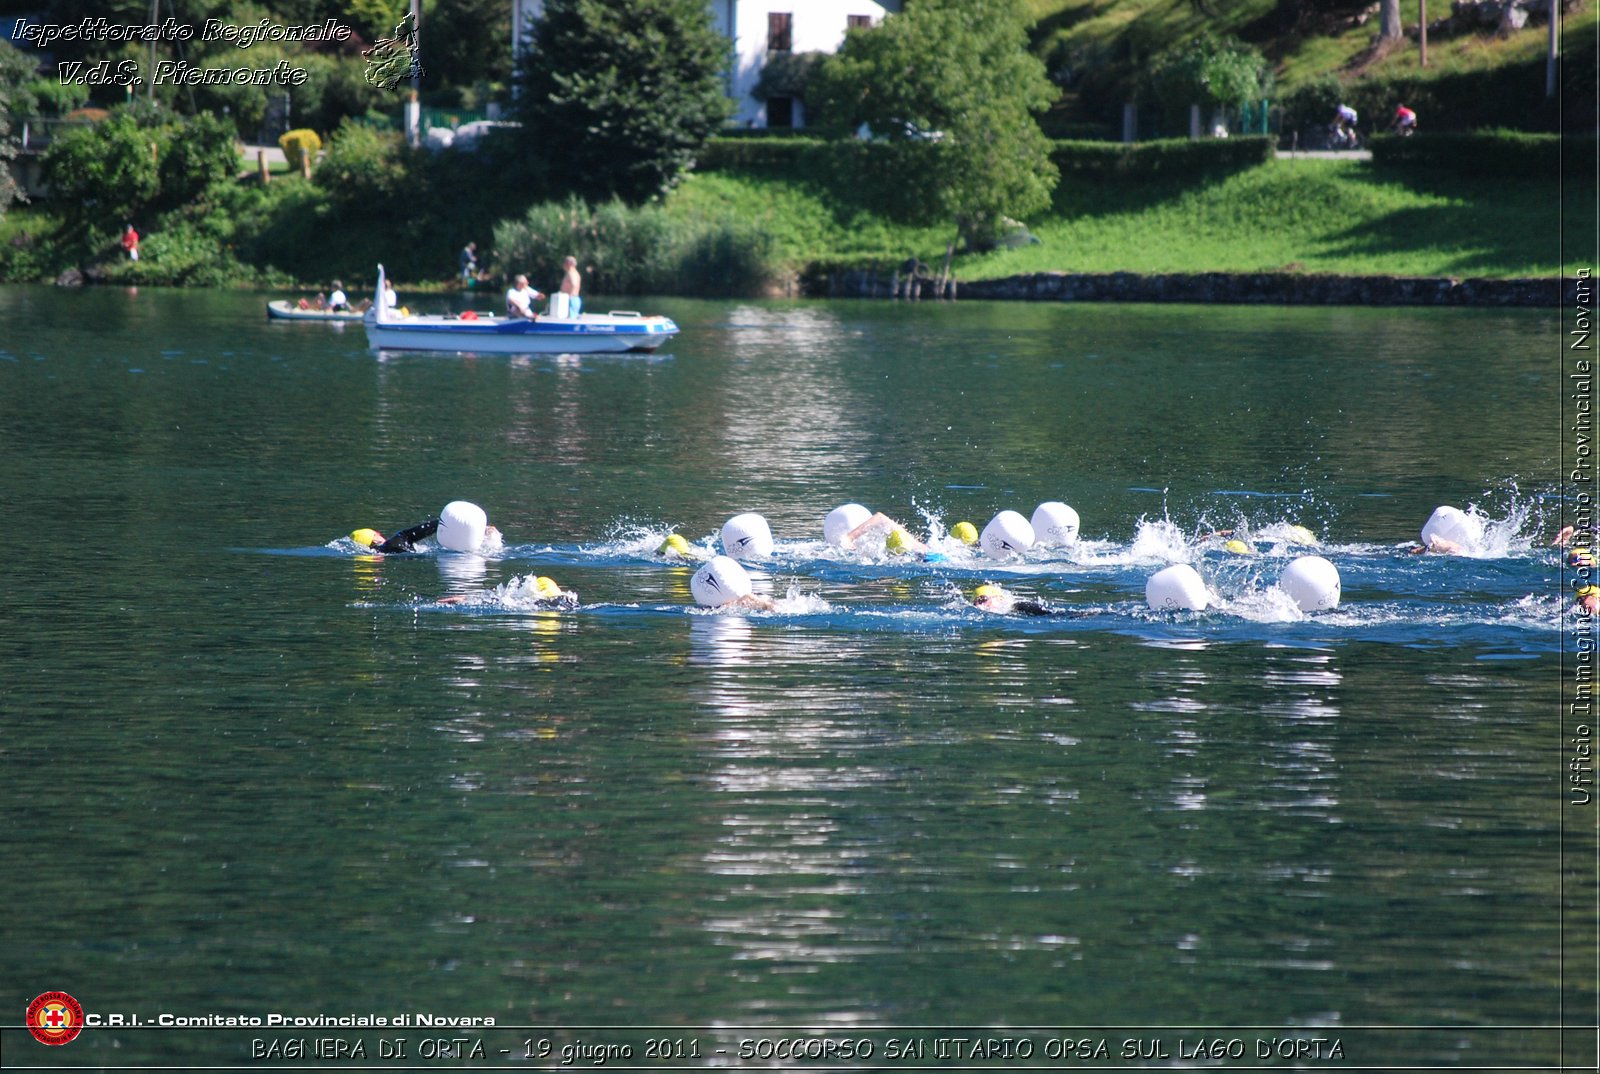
(487, 333)
(284, 310)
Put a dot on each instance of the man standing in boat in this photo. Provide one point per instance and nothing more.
(520, 299)
(571, 284)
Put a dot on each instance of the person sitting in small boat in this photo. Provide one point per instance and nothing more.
(993, 598)
(539, 592)
(520, 299)
(338, 302)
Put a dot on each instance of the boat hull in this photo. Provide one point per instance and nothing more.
(589, 333)
(281, 310)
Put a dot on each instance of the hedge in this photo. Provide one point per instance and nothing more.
(811, 159)
(780, 156)
(1183, 157)
(1508, 154)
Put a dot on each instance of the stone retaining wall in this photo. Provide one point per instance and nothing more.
(1275, 288)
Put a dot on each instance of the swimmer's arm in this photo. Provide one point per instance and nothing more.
(753, 602)
(877, 521)
(881, 521)
(406, 540)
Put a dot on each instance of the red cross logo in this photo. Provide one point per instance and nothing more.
(55, 1018)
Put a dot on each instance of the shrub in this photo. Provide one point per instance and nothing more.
(363, 167)
(627, 250)
(196, 154)
(300, 146)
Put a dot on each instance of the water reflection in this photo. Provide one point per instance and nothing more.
(785, 766)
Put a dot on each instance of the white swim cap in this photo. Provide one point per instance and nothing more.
(1452, 524)
(719, 582)
(461, 526)
(747, 536)
(1313, 582)
(841, 520)
(1054, 523)
(1007, 534)
(1177, 586)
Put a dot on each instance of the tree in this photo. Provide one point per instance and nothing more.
(464, 42)
(618, 97)
(16, 73)
(102, 176)
(1208, 71)
(1389, 28)
(952, 88)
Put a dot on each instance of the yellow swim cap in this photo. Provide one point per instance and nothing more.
(986, 591)
(965, 532)
(547, 587)
(1239, 548)
(674, 545)
(896, 541)
(367, 537)
(1301, 535)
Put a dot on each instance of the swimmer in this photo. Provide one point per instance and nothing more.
(993, 598)
(1441, 545)
(897, 539)
(1231, 544)
(677, 547)
(465, 530)
(1567, 536)
(1449, 531)
(407, 539)
(723, 585)
(541, 591)
(965, 532)
(1586, 597)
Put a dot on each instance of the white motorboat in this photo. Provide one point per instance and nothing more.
(483, 333)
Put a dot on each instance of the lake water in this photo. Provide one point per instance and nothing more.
(250, 771)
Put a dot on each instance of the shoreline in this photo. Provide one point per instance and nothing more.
(1192, 288)
(1215, 288)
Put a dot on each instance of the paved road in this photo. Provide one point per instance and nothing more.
(1325, 154)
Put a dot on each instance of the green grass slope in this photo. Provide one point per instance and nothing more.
(1300, 215)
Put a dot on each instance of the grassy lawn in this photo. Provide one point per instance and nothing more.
(1306, 215)
(803, 224)
(1314, 216)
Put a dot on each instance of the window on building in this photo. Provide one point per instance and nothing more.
(780, 31)
(780, 111)
(858, 22)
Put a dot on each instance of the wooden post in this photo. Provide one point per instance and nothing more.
(261, 166)
(1130, 122)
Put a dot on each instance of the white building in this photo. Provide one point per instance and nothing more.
(757, 30)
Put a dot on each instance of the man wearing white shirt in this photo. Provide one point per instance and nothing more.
(520, 299)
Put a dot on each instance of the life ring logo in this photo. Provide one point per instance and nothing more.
(55, 1018)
